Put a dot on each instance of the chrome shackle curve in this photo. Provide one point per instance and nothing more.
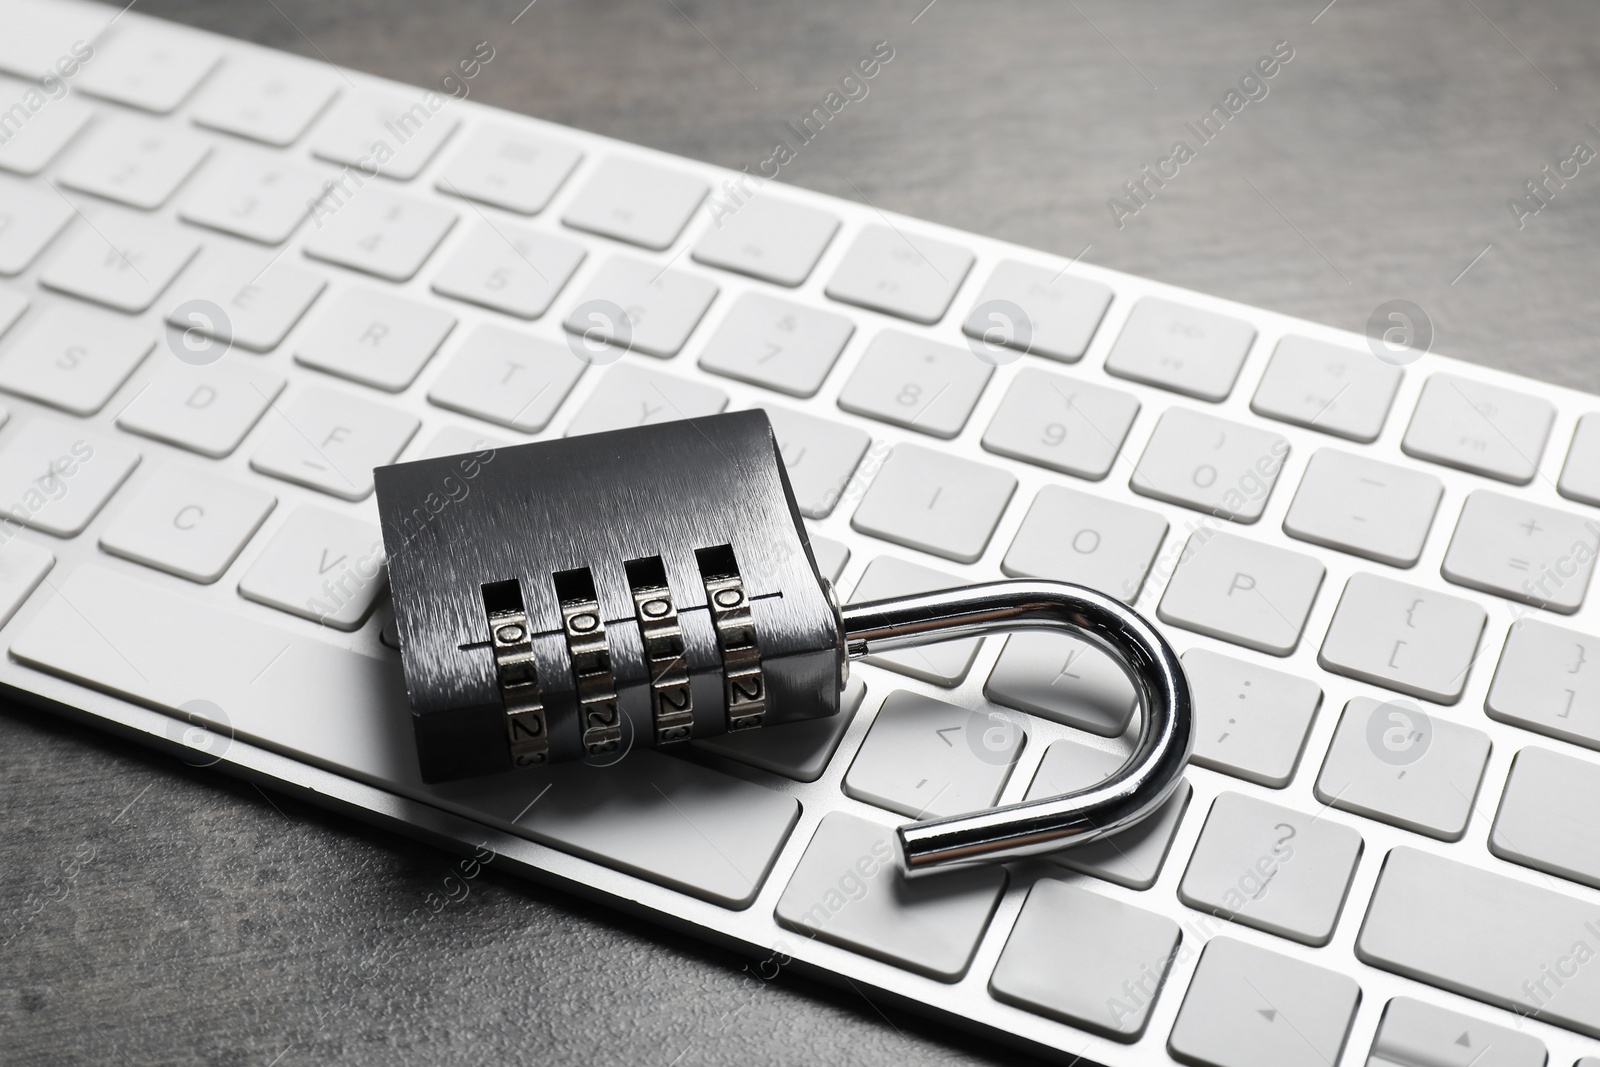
(1143, 783)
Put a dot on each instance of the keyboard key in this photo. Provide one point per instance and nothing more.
(944, 663)
(73, 358)
(320, 565)
(768, 238)
(1190, 351)
(30, 218)
(148, 65)
(1327, 387)
(777, 344)
(848, 891)
(12, 305)
(1061, 423)
(261, 297)
(1523, 551)
(1248, 1007)
(1548, 681)
(1132, 858)
(1063, 679)
(1242, 591)
(389, 134)
(799, 750)
(639, 203)
(56, 476)
(1068, 536)
(831, 557)
(206, 409)
(29, 148)
(920, 385)
(507, 377)
(455, 440)
(935, 502)
(264, 99)
(819, 456)
(253, 195)
(374, 337)
(1485, 936)
(1546, 818)
(1060, 312)
(926, 759)
(133, 161)
(331, 441)
(633, 396)
(662, 306)
(1365, 507)
(1200, 461)
(914, 277)
(1580, 475)
(377, 232)
(1393, 762)
(1479, 428)
(122, 261)
(1403, 637)
(187, 522)
(1271, 868)
(510, 169)
(1249, 721)
(1413, 1031)
(23, 566)
(1085, 959)
(510, 269)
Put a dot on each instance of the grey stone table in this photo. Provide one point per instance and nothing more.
(203, 921)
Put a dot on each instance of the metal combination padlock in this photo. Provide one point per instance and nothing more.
(571, 597)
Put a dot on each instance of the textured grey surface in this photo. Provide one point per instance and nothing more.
(154, 913)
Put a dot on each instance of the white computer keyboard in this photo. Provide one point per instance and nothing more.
(1389, 842)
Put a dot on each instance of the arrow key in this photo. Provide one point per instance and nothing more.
(1415, 1032)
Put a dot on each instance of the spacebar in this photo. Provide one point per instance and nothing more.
(1486, 936)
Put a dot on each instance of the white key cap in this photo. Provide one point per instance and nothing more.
(73, 358)
(507, 377)
(1363, 506)
(1403, 637)
(912, 276)
(56, 476)
(935, 502)
(30, 218)
(392, 134)
(331, 441)
(1190, 351)
(265, 99)
(1063, 679)
(1069, 536)
(121, 261)
(1580, 475)
(1085, 959)
(1338, 390)
(1249, 721)
(456, 440)
(639, 203)
(819, 457)
(378, 232)
(927, 925)
(1242, 591)
(509, 168)
(509, 269)
(133, 161)
(1210, 464)
(1393, 762)
(1133, 858)
(633, 396)
(662, 306)
(44, 39)
(798, 750)
(1414, 1031)
(1548, 681)
(766, 237)
(253, 195)
(772, 342)
(1272, 868)
(920, 385)
(1546, 818)
(1061, 423)
(148, 65)
(831, 556)
(945, 663)
(187, 522)
(374, 337)
(1059, 312)
(1248, 1007)
(926, 759)
(1479, 428)
(1523, 551)
(320, 565)
(260, 297)
(206, 409)
(12, 305)
(51, 125)
(23, 566)
(1483, 935)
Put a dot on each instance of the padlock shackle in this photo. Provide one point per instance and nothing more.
(1142, 784)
